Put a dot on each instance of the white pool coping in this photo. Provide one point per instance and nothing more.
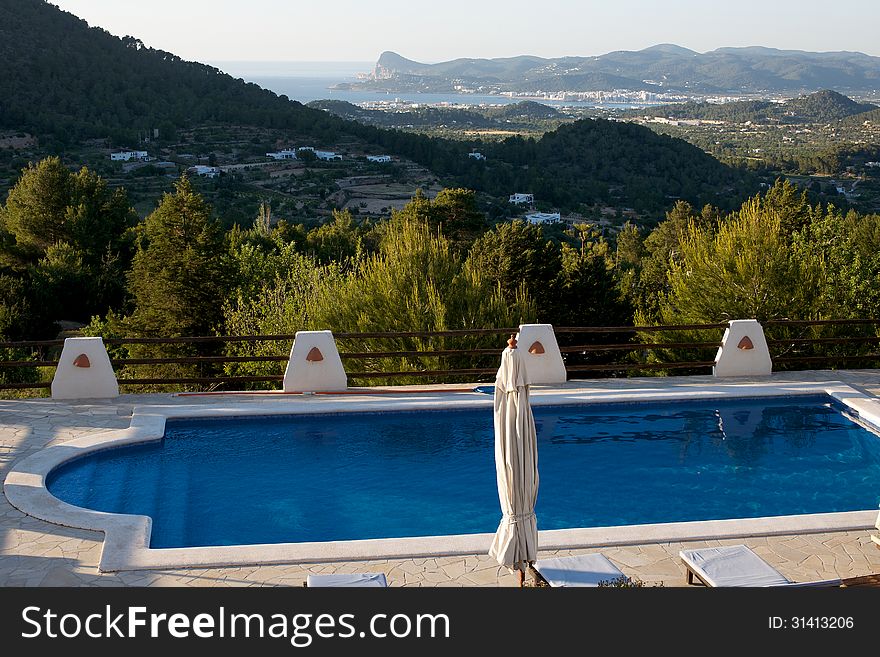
(127, 537)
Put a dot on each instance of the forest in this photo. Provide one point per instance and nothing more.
(73, 253)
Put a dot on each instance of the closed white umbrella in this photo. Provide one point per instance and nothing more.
(516, 463)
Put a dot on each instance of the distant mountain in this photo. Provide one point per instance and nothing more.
(821, 107)
(825, 105)
(664, 67)
(526, 109)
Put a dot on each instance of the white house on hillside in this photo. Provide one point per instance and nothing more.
(543, 217)
(286, 154)
(519, 199)
(327, 156)
(128, 156)
(477, 155)
(379, 158)
(202, 170)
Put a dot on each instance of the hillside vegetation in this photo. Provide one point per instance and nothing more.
(820, 107)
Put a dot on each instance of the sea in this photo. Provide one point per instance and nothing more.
(308, 81)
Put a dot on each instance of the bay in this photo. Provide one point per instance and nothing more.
(308, 81)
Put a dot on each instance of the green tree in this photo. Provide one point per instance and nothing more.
(50, 205)
(516, 255)
(37, 207)
(789, 203)
(180, 273)
(662, 249)
(65, 235)
(586, 293)
(417, 282)
(744, 271)
(455, 212)
(338, 240)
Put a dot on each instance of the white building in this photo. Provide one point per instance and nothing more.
(872, 164)
(519, 199)
(477, 155)
(306, 148)
(202, 170)
(128, 156)
(379, 158)
(286, 154)
(543, 217)
(327, 156)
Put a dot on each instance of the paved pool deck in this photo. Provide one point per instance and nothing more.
(37, 553)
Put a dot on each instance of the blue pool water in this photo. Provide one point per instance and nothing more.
(353, 476)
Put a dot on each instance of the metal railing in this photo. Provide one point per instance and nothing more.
(586, 350)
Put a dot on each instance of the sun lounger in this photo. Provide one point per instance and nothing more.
(346, 580)
(579, 570)
(736, 565)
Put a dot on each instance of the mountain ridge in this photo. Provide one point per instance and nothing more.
(667, 67)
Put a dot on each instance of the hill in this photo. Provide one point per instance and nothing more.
(873, 116)
(821, 107)
(665, 67)
(66, 79)
(825, 106)
(606, 162)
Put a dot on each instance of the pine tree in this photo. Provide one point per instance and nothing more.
(180, 273)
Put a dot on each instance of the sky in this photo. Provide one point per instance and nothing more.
(359, 30)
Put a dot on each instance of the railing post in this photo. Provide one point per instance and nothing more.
(84, 371)
(541, 353)
(876, 537)
(743, 350)
(314, 365)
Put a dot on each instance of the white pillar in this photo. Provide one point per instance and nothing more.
(84, 371)
(541, 353)
(743, 350)
(314, 365)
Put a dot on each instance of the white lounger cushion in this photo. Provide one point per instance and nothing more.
(579, 570)
(735, 565)
(353, 579)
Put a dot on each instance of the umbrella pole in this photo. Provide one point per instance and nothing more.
(521, 576)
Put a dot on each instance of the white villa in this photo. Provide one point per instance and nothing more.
(286, 154)
(477, 155)
(519, 199)
(202, 170)
(543, 217)
(327, 156)
(379, 158)
(128, 156)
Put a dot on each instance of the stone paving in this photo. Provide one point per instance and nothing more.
(36, 553)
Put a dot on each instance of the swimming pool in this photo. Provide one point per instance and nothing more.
(314, 478)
